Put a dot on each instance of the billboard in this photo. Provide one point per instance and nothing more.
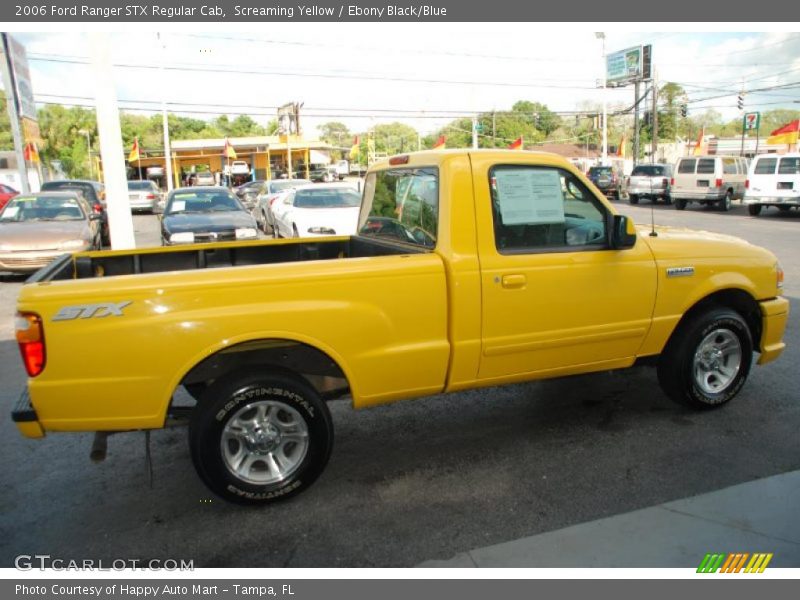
(22, 78)
(628, 65)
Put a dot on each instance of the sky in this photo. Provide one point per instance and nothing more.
(421, 74)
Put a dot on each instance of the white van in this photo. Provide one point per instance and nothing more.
(773, 181)
(709, 180)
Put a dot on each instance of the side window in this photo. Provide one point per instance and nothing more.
(765, 166)
(544, 208)
(789, 166)
(706, 166)
(686, 165)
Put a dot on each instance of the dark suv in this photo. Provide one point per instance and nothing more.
(606, 180)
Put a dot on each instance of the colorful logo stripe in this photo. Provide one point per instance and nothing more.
(734, 562)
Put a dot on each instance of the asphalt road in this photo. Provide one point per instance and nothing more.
(420, 480)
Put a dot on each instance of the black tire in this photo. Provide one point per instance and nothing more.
(633, 198)
(680, 204)
(784, 209)
(726, 202)
(754, 209)
(267, 228)
(691, 348)
(291, 406)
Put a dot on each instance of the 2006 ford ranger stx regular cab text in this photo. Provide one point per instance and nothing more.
(470, 269)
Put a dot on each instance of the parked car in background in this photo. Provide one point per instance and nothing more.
(143, 195)
(324, 174)
(606, 180)
(204, 178)
(650, 182)
(709, 180)
(205, 214)
(93, 191)
(312, 211)
(6, 194)
(239, 167)
(342, 169)
(36, 228)
(773, 181)
(248, 193)
(266, 197)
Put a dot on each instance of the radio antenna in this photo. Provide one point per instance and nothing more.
(653, 219)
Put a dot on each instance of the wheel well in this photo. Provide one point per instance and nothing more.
(735, 299)
(288, 356)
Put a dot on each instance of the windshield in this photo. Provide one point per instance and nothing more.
(41, 208)
(402, 205)
(326, 198)
(140, 185)
(202, 202)
(648, 171)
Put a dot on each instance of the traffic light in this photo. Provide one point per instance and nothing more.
(740, 101)
(684, 110)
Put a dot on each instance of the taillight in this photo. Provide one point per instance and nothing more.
(399, 160)
(718, 182)
(747, 184)
(98, 208)
(272, 200)
(30, 337)
(672, 181)
(151, 196)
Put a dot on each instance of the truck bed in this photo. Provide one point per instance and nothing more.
(180, 258)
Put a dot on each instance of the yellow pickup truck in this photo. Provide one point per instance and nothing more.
(470, 269)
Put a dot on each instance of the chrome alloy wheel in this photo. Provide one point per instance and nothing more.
(717, 361)
(264, 442)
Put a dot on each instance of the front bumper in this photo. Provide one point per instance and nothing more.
(774, 314)
(25, 418)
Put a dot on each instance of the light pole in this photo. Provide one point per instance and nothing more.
(88, 152)
(604, 157)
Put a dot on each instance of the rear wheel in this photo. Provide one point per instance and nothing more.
(784, 208)
(725, 203)
(633, 198)
(707, 360)
(257, 437)
(754, 209)
(680, 204)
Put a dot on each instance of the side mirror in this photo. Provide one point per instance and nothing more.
(622, 233)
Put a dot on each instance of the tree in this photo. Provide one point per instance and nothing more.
(335, 134)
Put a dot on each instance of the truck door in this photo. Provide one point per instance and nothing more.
(556, 298)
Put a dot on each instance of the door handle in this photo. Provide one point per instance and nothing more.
(514, 281)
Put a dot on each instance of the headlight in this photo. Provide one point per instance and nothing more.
(185, 237)
(322, 230)
(246, 233)
(73, 245)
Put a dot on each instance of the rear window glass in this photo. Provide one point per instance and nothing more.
(330, 198)
(687, 165)
(140, 185)
(729, 166)
(765, 166)
(600, 171)
(87, 189)
(648, 171)
(705, 166)
(789, 166)
(402, 205)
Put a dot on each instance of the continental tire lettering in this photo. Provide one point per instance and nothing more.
(265, 495)
(256, 393)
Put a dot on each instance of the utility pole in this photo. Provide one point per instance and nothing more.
(164, 119)
(604, 157)
(111, 153)
(636, 122)
(654, 146)
(12, 102)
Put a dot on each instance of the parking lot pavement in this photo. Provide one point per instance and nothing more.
(416, 481)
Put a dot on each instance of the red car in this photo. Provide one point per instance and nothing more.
(6, 194)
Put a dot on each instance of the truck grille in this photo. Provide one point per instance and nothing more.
(214, 236)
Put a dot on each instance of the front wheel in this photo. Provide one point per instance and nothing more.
(707, 359)
(257, 437)
(754, 209)
(680, 204)
(633, 198)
